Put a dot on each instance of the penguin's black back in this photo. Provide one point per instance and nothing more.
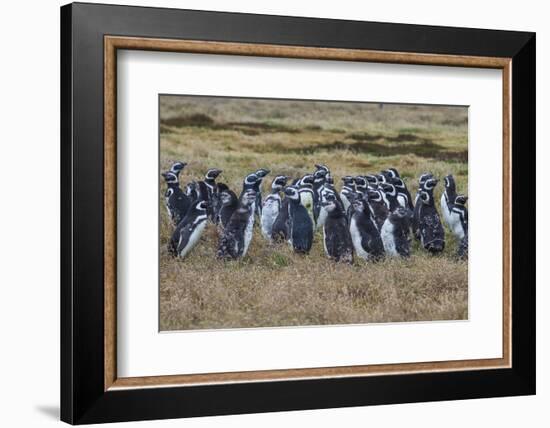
(280, 229)
(401, 234)
(337, 237)
(183, 230)
(370, 234)
(430, 229)
(226, 211)
(231, 244)
(301, 227)
(178, 203)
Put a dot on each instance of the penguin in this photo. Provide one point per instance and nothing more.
(361, 184)
(208, 190)
(189, 230)
(237, 235)
(326, 189)
(336, 234)
(421, 187)
(301, 226)
(372, 181)
(460, 209)
(272, 206)
(378, 207)
(458, 223)
(430, 229)
(177, 203)
(395, 233)
(280, 231)
(177, 167)
(261, 174)
(391, 173)
(403, 195)
(347, 189)
(319, 180)
(192, 191)
(389, 194)
(307, 195)
(321, 167)
(249, 183)
(364, 232)
(229, 203)
(447, 198)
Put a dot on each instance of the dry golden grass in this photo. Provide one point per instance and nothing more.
(272, 286)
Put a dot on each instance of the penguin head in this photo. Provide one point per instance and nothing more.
(360, 181)
(321, 167)
(359, 204)
(430, 183)
(348, 180)
(450, 183)
(371, 180)
(292, 193)
(374, 195)
(212, 173)
(423, 177)
(391, 173)
(248, 198)
(227, 197)
(307, 181)
(319, 176)
(381, 178)
(389, 189)
(398, 182)
(279, 182)
(177, 167)
(329, 201)
(170, 177)
(251, 179)
(261, 173)
(461, 200)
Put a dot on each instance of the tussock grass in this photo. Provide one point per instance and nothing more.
(272, 286)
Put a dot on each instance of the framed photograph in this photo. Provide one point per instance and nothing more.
(266, 213)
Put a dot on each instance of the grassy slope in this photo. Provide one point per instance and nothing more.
(272, 286)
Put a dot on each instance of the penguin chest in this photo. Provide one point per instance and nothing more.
(270, 211)
(322, 218)
(387, 233)
(356, 239)
(196, 232)
(402, 200)
(455, 224)
(248, 233)
(345, 201)
(445, 211)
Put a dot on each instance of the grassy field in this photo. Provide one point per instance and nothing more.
(272, 286)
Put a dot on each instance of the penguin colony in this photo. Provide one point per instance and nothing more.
(372, 216)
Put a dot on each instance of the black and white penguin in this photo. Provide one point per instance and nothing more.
(391, 173)
(378, 207)
(336, 235)
(192, 191)
(177, 167)
(301, 225)
(319, 180)
(430, 229)
(421, 187)
(229, 203)
(208, 190)
(395, 233)
(177, 203)
(364, 232)
(447, 200)
(460, 209)
(389, 194)
(348, 188)
(372, 181)
(325, 190)
(261, 174)
(237, 235)
(272, 206)
(307, 195)
(403, 194)
(280, 231)
(189, 230)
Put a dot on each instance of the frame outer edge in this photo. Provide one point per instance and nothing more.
(66, 304)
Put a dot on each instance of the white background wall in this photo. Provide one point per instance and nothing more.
(29, 214)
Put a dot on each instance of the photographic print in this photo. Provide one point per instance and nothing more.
(281, 212)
